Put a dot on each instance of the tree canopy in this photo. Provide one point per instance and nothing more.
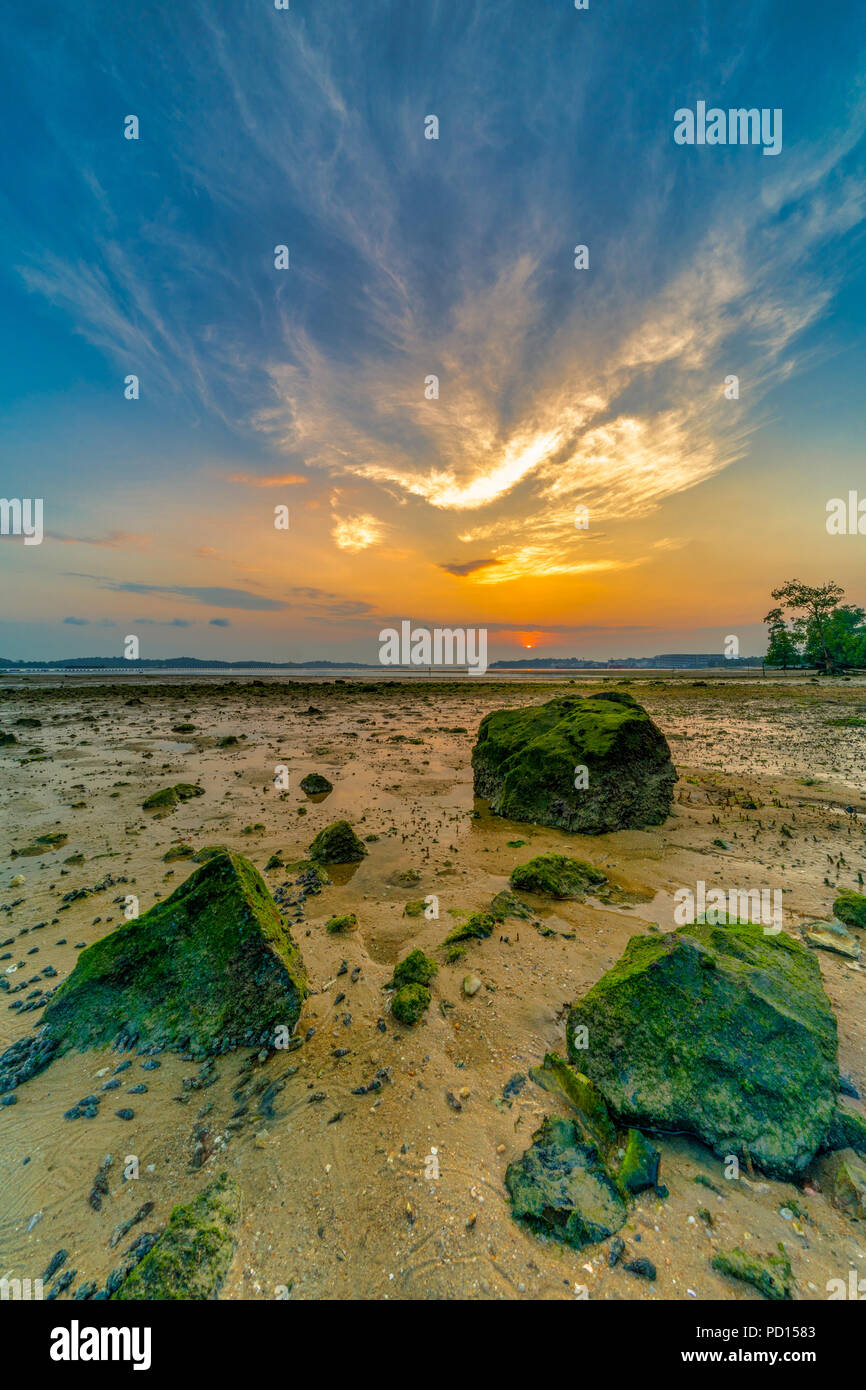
(810, 626)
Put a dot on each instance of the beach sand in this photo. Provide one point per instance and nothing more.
(337, 1201)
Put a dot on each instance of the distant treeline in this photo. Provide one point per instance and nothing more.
(113, 663)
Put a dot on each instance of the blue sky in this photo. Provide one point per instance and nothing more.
(558, 388)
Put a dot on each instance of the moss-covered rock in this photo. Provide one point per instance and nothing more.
(525, 759)
(416, 968)
(848, 1131)
(207, 852)
(347, 922)
(410, 1003)
(337, 844)
(639, 1169)
(191, 1258)
(169, 797)
(848, 1184)
(309, 875)
(178, 852)
(772, 1276)
(43, 844)
(7, 739)
(212, 967)
(556, 1075)
(723, 1032)
(556, 876)
(415, 907)
(850, 908)
(405, 878)
(314, 784)
(478, 926)
(561, 1188)
(506, 904)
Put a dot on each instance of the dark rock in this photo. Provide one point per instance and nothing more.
(525, 759)
(561, 1188)
(722, 1032)
(337, 844)
(213, 965)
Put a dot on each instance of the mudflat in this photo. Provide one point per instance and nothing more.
(367, 1157)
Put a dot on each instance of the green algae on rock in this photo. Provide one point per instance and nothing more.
(560, 1187)
(639, 1169)
(556, 876)
(410, 1002)
(337, 843)
(191, 1258)
(772, 1276)
(506, 904)
(169, 797)
(848, 1131)
(348, 922)
(850, 908)
(43, 844)
(178, 852)
(477, 926)
(558, 1076)
(208, 852)
(722, 1032)
(848, 1178)
(416, 968)
(525, 764)
(211, 968)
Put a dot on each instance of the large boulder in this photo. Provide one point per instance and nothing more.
(526, 763)
(720, 1031)
(211, 968)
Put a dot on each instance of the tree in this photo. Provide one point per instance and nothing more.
(781, 650)
(811, 608)
(845, 636)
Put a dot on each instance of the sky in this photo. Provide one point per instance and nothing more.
(582, 484)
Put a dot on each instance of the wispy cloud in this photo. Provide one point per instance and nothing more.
(413, 259)
(113, 540)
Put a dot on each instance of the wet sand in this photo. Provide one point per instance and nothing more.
(336, 1201)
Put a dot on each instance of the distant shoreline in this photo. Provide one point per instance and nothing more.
(10, 680)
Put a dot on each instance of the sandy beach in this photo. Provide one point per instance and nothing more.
(340, 1193)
